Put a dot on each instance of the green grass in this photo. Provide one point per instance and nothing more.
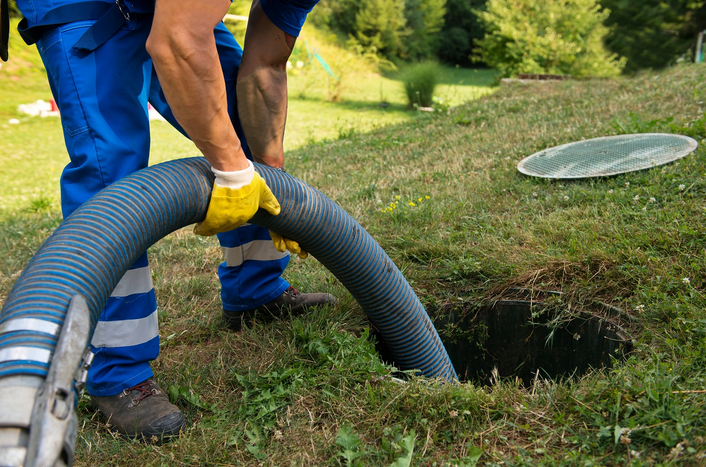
(33, 150)
(311, 391)
(364, 98)
(370, 100)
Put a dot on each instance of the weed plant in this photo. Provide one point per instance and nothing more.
(311, 390)
(420, 80)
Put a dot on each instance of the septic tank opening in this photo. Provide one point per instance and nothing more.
(526, 339)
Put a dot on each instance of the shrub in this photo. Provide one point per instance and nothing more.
(547, 36)
(420, 80)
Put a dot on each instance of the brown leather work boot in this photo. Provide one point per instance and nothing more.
(291, 301)
(142, 411)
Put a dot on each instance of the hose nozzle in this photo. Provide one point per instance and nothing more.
(53, 427)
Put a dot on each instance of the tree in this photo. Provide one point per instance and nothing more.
(653, 33)
(424, 22)
(547, 36)
(378, 25)
(391, 28)
(336, 15)
(461, 28)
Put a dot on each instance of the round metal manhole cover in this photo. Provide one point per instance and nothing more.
(610, 155)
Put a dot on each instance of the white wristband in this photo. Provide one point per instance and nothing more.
(234, 180)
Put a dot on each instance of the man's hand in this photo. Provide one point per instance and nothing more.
(283, 244)
(235, 198)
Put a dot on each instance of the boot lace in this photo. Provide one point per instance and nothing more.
(145, 389)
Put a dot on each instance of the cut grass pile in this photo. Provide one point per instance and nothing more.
(441, 194)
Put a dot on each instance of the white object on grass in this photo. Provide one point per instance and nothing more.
(39, 108)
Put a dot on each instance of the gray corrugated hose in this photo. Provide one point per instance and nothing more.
(94, 247)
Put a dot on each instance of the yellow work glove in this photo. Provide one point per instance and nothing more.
(235, 198)
(283, 244)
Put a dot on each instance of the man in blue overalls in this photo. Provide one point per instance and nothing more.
(105, 61)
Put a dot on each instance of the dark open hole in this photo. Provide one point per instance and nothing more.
(526, 339)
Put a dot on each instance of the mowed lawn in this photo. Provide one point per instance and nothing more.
(35, 145)
(441, 194)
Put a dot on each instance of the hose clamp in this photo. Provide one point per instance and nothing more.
(30, 354)
(82, 372)
(30, 324)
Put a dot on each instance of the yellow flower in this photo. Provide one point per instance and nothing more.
(412, 204)
(397, 197)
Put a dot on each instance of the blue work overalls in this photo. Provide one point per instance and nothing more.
(103, 95)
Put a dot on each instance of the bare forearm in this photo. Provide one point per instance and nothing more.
(187, 64)
(262, 105)
(262, 87)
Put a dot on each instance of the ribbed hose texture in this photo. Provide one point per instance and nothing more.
(92, 249)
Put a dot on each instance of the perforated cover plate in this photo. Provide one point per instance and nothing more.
(610, 155)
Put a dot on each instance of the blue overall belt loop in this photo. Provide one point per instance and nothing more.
(109, 18)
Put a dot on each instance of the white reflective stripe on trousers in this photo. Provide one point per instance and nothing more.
(135, 281)
(126, 333)
(257, 250)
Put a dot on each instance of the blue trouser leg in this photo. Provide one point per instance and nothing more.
(251, 273)
(103, 101)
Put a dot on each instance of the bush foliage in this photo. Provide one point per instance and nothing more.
(420, 80)
(556, 36)
(407, 29)
(379, 25)
(425, 20)
(547, 36)
(654, 33)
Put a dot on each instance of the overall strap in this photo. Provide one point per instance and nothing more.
(109, 18)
